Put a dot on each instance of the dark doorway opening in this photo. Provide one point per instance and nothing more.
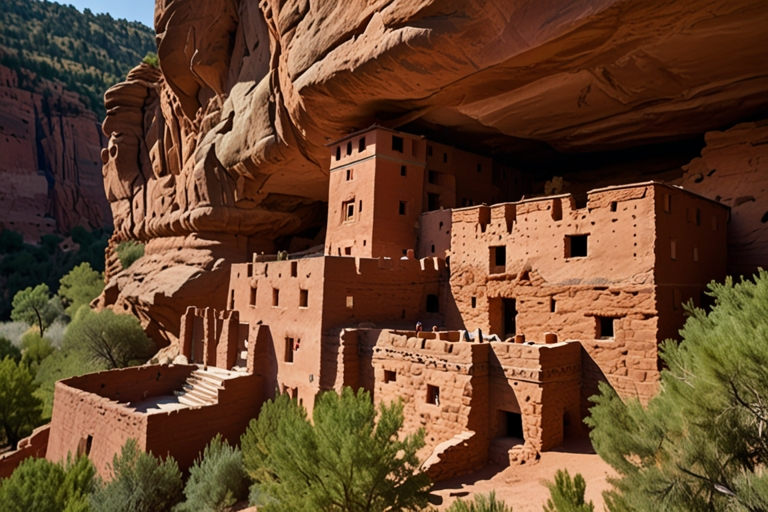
(433, 304)
(514, 425)
(433, 202)
(509, 328)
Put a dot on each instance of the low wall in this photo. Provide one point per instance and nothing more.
(32, 446)
(133, 384)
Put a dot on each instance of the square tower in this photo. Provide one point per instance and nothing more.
(375, 193)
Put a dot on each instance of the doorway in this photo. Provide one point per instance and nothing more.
(509, 325)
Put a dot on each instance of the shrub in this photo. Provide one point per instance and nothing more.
(342, 460)
(140, 483)
(19, 408)
(79, 287)
(34, 349)
(128, 252)
(8, 349)
(481, 503)
(151, 59)
(43, 486)
(567, 495)
(217, 480)
(109, 339)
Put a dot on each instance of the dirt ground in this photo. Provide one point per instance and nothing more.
(523, 488)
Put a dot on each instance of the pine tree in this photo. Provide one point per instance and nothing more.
(701, 444)
(567, 494)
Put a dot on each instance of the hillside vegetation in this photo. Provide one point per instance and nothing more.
(88, 53)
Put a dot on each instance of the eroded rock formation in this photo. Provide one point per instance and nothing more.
(50, 168)
(222, 152)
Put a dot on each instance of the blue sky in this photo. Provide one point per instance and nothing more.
(132, 10)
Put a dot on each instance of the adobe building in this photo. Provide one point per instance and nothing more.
(494, 338)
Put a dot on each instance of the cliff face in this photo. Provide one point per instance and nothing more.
(222, 152)
(50, 168)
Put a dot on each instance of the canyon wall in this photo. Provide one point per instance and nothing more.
(50, 167)
(221, 152)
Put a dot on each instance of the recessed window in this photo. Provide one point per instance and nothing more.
(576, 246)
(348, 251)
(433, 394)
(390, 376)
(433, 304)
(403, 208)
(350, 302)
(253, 297)
(275, 297)
(673, 249)
(88, 445)
(614, 205)
(397, 144)
(289, 350)
(474, 302)
(350, 174)
(232, 299)
(403, 170)
(303, 298)
(338, 153)
(349, 148)
(499, 258)
(360, 206)
(433, 248)
(557, 210)
(668, 203)
(604, 326)
(361, 145)
(348, 209)
(294, 268)
(552, 305)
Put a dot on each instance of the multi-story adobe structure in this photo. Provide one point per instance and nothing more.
(532, 303)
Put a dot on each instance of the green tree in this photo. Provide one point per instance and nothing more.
(8, 349)
(34, 306)
(116, 341)
(151, 59)
(43, 486)
(79, 287)
(217, 480)
(700, 444)
(139, 483)
(19, 407)
(34, 350)
(567, 494)
(481, 503)
(344, 460)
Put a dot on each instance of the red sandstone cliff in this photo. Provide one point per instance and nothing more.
(50, 169)
(222, 152)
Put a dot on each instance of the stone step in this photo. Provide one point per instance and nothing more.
(207, 377)
(192, 401)
(205, 384)
(201, 391)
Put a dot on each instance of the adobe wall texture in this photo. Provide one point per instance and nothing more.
(33, 446)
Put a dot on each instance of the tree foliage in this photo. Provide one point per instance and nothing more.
(8, 349)
(346, 459)
(35, 307)
(35, 349)
(139, 483)
(480, 503)
(567, 494)
(114, 340)
(700, 445)
(44, 486)
(19, 407)
(217, 480)
(128, 252)
(79, 287)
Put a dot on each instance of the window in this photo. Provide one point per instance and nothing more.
(397, 144)
(433, 202)
(673, 249)
(557, 209)
(390, 376)
(350, 301)
(433, 394)
(403, 170)
(552, 305)
(474, 302)
(433, 304)
(614, 205)
(431, 176)
(360, 206)
(338, 153)
(348, 209)
(499, 258)
(429, 150)
(275, 297)
(253, 297)
(348, 251)
(294, 268)
(361, 145)
(433, 248)
(349, 148)
(668, 203)
(576, 246)
(303, 298)
(403, 208)
(349, 174)
(232, 299)
(288, 350)
(604, 326)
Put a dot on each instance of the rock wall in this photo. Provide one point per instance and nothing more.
(50, 166)
(229, 138)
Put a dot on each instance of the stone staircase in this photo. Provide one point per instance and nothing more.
(201, 389)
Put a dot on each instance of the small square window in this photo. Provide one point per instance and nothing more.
(348, 251)
(303, 298)
(390, 376)
(348, 210)
(338, 153)
(605, 327)
(433, 394)
(403, 208)
(614, 206)
(289, 348)
(576, 246)
(403, 170)
(361, 145)
(498, 259)
(275, 297)
(294, 268)
(474, 302)
(253, 297)
(349, 148)
(397, 144)
(350, 174)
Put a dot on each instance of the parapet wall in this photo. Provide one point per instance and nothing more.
(126, 385)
